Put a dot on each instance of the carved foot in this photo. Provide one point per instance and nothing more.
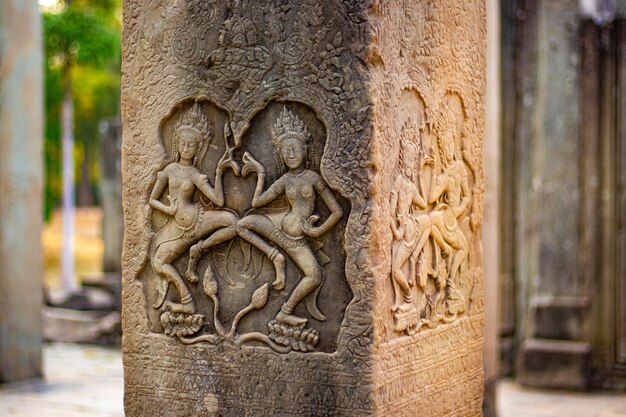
(403, 308)
(279, 284)
(192, 276)
(407, 318)
(180, 308)
(290, 319)
(455, 302)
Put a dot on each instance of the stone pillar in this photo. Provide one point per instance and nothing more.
(111, 195)
(552, 285)
(21, 175)
(303, 190)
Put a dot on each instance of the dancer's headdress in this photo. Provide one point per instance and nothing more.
(196, 121)
(446, 122)
(290, 125)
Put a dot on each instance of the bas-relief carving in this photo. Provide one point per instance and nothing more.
(429, 201)
(285, 219)
(424, 361)
(244, 75)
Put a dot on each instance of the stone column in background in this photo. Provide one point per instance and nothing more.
(111, 194)
(546, 199)
(21, 174)
(303, 190)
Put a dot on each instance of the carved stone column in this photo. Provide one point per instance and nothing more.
(303, 190)
(21, 175)
(111, 195)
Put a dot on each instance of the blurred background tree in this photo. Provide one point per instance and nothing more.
(82, 41)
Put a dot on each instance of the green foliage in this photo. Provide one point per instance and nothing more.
(82, 47)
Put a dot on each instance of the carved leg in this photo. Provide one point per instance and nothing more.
(425, 227)
(457, 260)
(400, 256)
(226, 222)
(304, 258)
(199, 249)
(455, 240)
(168, 271)
(195, 253)
(435, 232)
(247, 228)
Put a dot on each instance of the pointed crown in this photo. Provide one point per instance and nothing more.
(194, 120)
(445, 123)
(408, 141)
(289, 125)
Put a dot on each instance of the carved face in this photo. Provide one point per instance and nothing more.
(188, 141)
(448, 146)
(292, 151)
(409, 159)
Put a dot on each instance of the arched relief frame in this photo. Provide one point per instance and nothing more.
(256, 103)
(172, 291)
(471, 156)
(335, 286)
(219, 120)
(429, 242)
(195, 314)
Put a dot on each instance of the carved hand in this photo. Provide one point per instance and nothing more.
(227, 161)
(310, 229)
(397, 229)
(429, 161)
(251, 165)
(172, 208)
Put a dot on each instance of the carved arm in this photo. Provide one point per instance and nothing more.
(157, 190)
(398, 232)
(441, 183)
(215, 194)
(261, 198)
(417, 199)
(465, 192)
(335, 215)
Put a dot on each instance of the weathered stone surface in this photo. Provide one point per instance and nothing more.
(21, 175)
(303, 189)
